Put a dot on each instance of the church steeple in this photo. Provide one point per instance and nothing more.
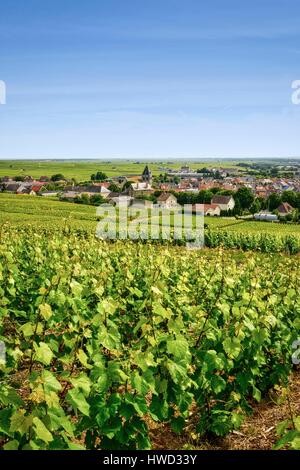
(147, 175)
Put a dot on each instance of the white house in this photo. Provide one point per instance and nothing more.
(142, 188)
(212, 210)
(104, 192)
(225, 203)
(204, 209)
(121, 201)
(69, 195)
(167, 201)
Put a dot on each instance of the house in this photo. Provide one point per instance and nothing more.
(165, 186)
(102, 190)
(206, 185)
(141, 204)
(120, 179)
(104, 184)
(11, 187)
(26, 190)
(185, 169)
(262, 192)
(48, 193)
(69, 195)
(167, 201)
(205, 209)
(212, 210)
(113, 194)
(37, 188)
(120, 200)
(90, 190)
(285, 209)
(225, 203)
(23, 189)
(142, 189)
(6, 179)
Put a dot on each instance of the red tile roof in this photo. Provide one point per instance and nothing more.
(285, 208)
(221, 199)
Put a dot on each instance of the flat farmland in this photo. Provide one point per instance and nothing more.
(82, 170)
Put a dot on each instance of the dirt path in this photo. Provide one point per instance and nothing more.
(257, 433)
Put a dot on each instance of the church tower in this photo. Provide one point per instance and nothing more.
(147, 175)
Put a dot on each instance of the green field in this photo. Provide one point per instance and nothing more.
(81, 170)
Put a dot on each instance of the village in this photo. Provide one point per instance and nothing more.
(222, 191)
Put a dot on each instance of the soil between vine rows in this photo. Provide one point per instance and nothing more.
(258, 432)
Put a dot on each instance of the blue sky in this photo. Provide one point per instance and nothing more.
(149, 79)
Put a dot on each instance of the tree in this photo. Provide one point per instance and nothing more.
(207, 197)
(255, 206)
(96, 199)
(114, 188)
(127, 185)
(54, 186)
(82, 199)
(99, 176)
(237, 208)
(296, 215)
(274, 200)
(290, 197)
(199, 197)
(274, 171)
(218, 175)
(218, 190)
(57, 177)
(226, 192)
(263, 203)
(245, 197)
(185, 198)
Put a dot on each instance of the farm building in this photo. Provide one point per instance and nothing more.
(167, 201)
(267, 216)
(225, 203)
(212, 209)
(122, 200)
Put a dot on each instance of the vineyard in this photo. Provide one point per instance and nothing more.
(53, 215)
(105, 338)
